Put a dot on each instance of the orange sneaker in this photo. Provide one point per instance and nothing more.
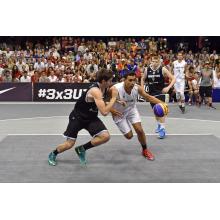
(147, 154)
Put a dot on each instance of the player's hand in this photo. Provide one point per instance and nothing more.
(115, 113)
(165, 90)
(123, 103)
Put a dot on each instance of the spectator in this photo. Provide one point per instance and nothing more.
(39, 65)
(77, 78)
(206, 84)
(87, 55)
(20, 63)
(52, 77)
(43, 78)
(25, 77)
(35, 77)
(16, 74)
(216, 78)
(7, 76)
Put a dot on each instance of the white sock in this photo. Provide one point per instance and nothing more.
(162, 125)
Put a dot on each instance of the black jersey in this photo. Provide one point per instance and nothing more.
(85, 111)
(155, 80)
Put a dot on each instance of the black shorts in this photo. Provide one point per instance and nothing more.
(94, 127)
(205, 91)
(159, 96)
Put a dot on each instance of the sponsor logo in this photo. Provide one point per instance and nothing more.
(6, 90)
(67, 94)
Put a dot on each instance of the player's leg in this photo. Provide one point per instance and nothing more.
(125, 128)
(100, 135)
(182, 95)
(74, 126)
(161, 127)
(190, 93)
(179, 87)
(178, 96)
(142, 140)
(134, 118)
(161, 120)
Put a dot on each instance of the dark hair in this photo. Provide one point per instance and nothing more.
(129, 73)
(191, 68)
(103, 74)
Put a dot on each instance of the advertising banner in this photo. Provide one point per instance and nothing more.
(58, 92)
(15, 92)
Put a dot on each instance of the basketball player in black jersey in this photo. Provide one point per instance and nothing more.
(85, 116)
(154, 77)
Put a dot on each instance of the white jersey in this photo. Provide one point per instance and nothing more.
(129, 111)
(130, 99)
(178, 69)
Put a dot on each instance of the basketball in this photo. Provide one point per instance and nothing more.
(160, 110)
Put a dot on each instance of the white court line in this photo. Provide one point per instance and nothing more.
(59, 116)
(33, 118)
(113, 134)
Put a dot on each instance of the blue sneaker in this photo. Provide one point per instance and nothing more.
(158, 129)
(81, 154)
(52, 159)
(162, 133)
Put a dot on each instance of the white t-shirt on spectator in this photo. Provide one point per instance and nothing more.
(52, 79)
(39, 66)
(56, 55)
(82, 48)
(111, 43)
(87, 56)
(1, 71)
(27, 79)
(215, 56)
(61, 67)
(20, 65)
(8, 54)
(47, 65)
(88, 68)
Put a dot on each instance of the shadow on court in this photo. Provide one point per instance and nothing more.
(178, 159)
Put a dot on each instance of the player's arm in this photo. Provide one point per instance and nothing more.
(97, 95)
(171, 77)
(171, 69)
(113, 110)
(148, 97)
(143, 77)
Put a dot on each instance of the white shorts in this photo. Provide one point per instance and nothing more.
(131, 117)
(179, 86)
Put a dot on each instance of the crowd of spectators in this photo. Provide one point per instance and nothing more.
(76, 59)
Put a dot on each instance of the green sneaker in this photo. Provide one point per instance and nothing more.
(81, 154)
(52, 159)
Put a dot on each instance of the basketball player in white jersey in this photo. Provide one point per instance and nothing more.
(179, 69)
(125, 112)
